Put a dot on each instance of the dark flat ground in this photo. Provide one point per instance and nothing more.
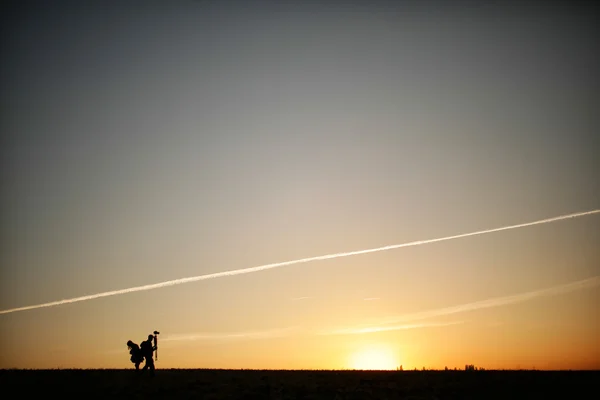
(257, 384)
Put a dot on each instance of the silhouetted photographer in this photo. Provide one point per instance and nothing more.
(147, 349)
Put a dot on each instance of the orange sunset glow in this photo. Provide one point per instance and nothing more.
(371, 186)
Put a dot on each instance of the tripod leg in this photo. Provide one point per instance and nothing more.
(156, 345)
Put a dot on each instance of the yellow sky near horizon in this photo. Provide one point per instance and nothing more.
(506, 333)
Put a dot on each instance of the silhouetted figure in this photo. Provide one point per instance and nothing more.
(147, 350)
(136, 354)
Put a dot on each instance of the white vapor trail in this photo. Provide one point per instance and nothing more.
(477, 305)
(373, 329)
(285, 263)
(501, 301)
(275, 333)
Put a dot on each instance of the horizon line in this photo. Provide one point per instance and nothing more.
(534, 369)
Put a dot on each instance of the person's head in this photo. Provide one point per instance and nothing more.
(150, 337)
(129, 343)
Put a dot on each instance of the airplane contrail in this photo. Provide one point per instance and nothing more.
(286, 263)
(375, 326)
(270, 334)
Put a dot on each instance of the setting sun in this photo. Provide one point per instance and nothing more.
(374, 358)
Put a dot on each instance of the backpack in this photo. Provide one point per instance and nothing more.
(136, 354)
(146, 349)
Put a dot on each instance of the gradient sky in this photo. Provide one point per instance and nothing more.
(154, 140)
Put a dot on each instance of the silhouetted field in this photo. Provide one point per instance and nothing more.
(257, 384)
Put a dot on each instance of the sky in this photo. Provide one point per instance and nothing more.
(145, 142)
